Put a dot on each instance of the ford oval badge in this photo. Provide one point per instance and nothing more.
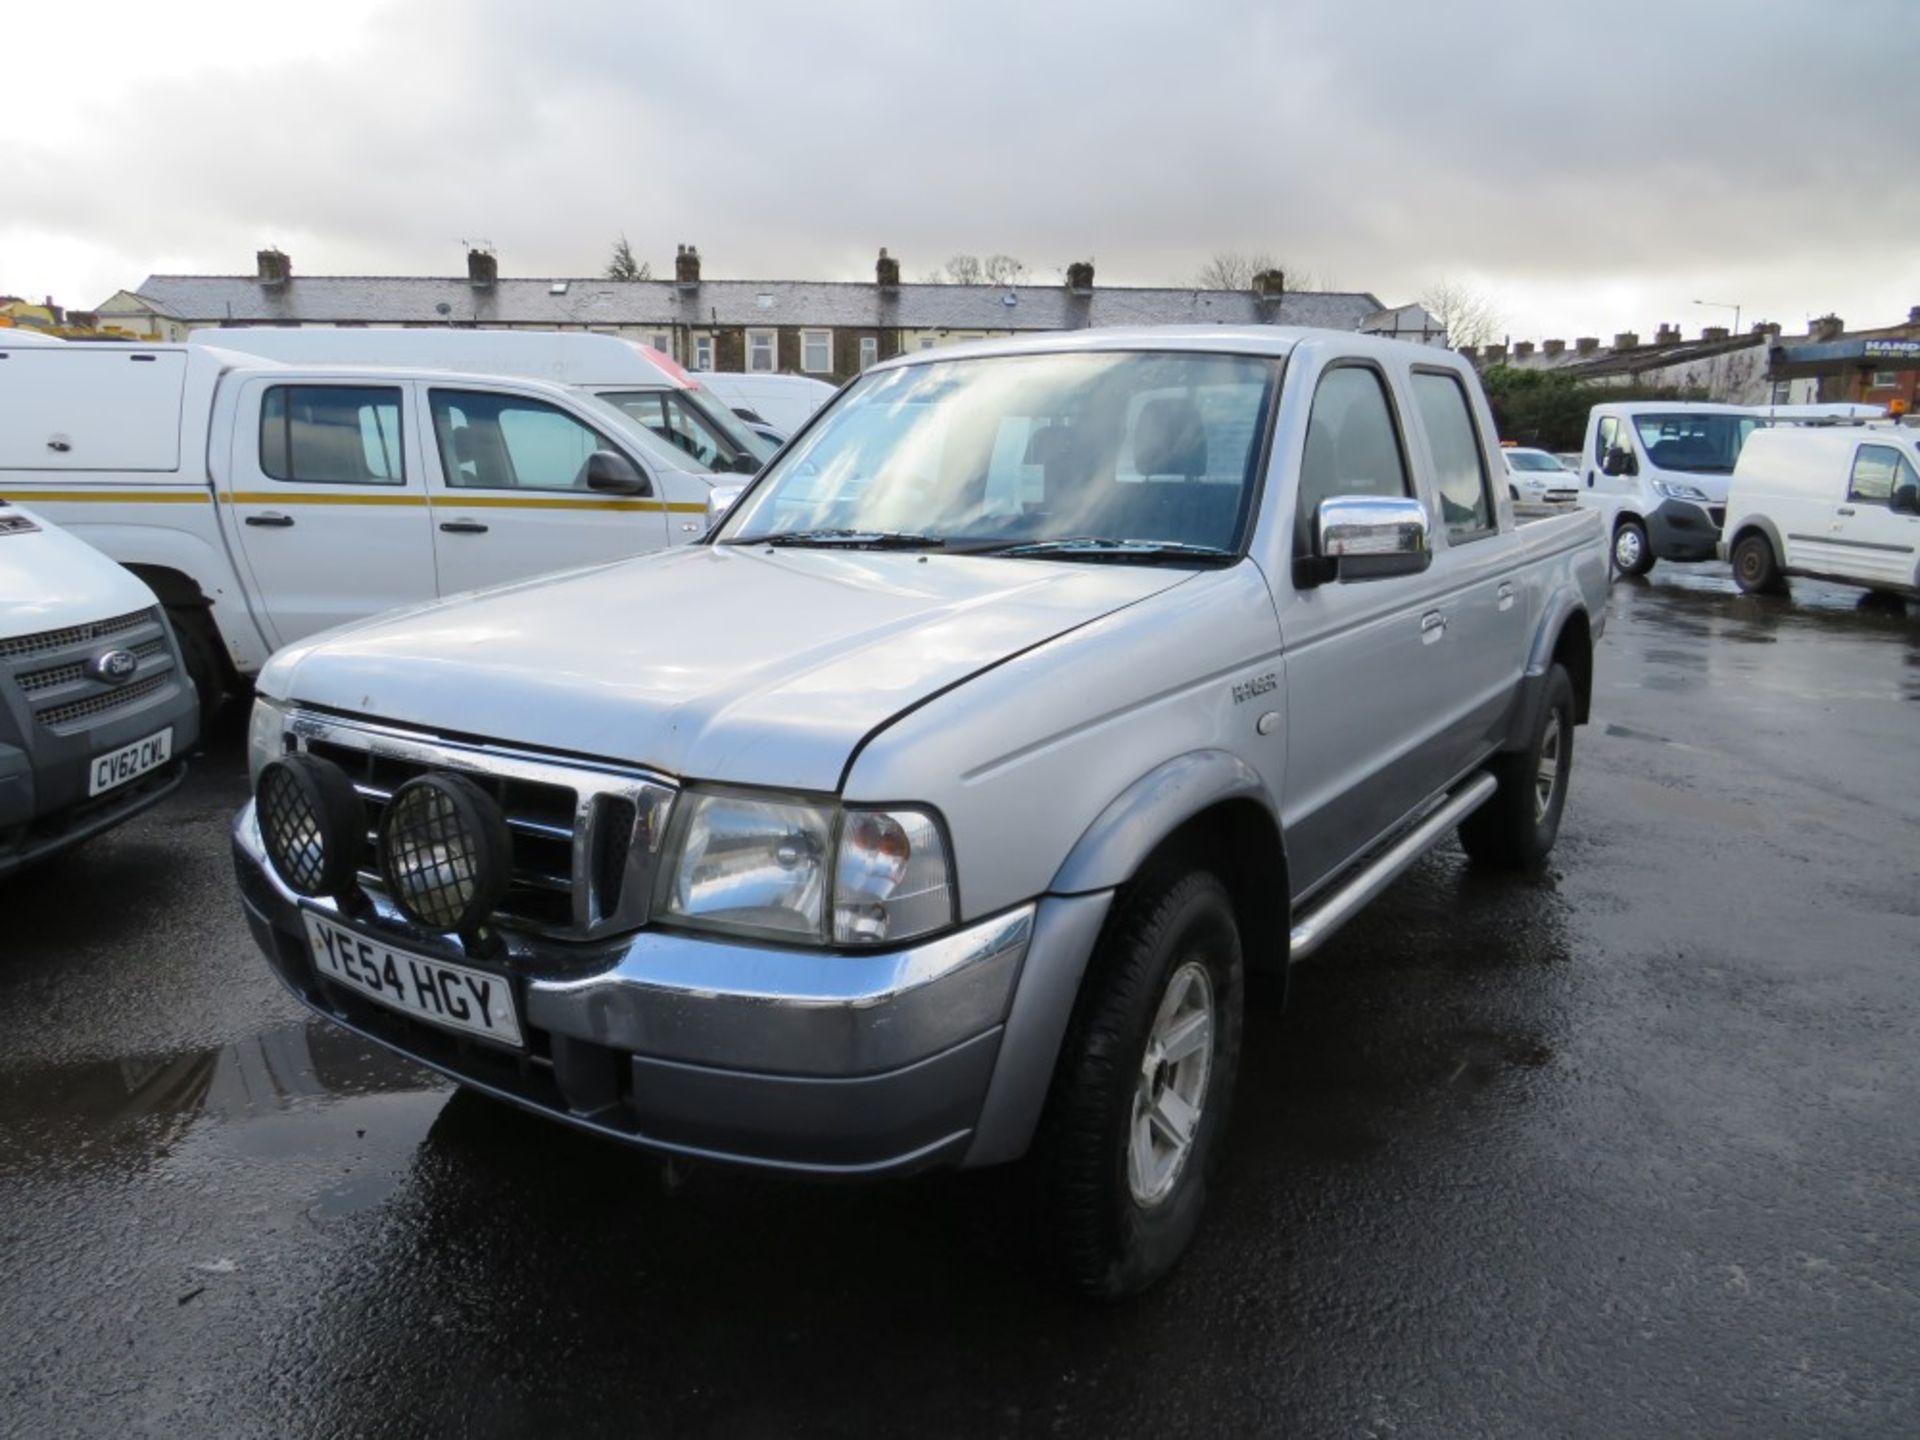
(116, 667)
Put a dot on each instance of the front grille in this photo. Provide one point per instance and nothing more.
(583, 838)
(107, 702)
(54, 676)
(48, 641)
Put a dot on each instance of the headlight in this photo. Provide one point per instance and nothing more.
(445, 852)
(266, 738)
(1675, 491)
(312, 823)
(791, 869)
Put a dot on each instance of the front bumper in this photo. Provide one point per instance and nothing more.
(1684, 530)
(828, 1062)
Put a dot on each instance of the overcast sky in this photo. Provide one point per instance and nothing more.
(1593, 168)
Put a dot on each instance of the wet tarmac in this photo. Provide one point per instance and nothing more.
(1631, 1148)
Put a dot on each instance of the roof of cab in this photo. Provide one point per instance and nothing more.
(1274, 340)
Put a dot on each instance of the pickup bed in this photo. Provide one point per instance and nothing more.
(933, 810)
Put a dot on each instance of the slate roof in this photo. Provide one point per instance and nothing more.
(393, 299)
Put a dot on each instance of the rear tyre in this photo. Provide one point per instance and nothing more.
(206, 667)
(1144, 1085)
(1756, 569)
(1515, 830)
(1632, 552)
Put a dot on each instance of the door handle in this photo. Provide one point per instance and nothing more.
(271, 520)
(1844, 510)
(1432, 626)
(463, 527)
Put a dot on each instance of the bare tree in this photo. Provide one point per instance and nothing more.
(964, 269)
(1002, 270)
(621, 265)
(1468, 315)
(1235, 269)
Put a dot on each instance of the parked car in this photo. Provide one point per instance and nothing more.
(1657, 472)
(96, 712)
(1837, 504)
(644, 384)
(265, 502)
(775, 405)
(1569, 461)
(1032, 696)
(1538, 477)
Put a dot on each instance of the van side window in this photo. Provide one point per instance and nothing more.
(331, 435)
(1353, 445)
(1877, 472)
(1459, 464)
(491, 441)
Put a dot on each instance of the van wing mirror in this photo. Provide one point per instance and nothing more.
(1905, 501)
(1619, 461)
(1366, 537)
(611, 473)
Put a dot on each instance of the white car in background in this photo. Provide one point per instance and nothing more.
(1538, 477)
(775, 406)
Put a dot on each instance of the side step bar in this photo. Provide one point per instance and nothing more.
(1314, 928)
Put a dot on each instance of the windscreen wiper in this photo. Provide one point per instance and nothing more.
(850, 540)
(1097, 547)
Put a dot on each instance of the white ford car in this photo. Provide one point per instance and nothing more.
(932, 809)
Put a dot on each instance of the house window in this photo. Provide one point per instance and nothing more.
(869, 351)
(763, 351)
(816, 352)
(703, 352)
(1783, 392)
(661, 341)
(1884, 380)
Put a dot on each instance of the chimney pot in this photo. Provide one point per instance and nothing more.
(1469, 352)
(886, 271)
(1586, 344)
(1913, 315)
(1493, 354)
(1270, 286)
(1716, 332)
(1667, 335)
(1626, 340)
(273, 267)
(1080, 277)
(686, 268)
(1523, 349)
(482, 268)
(1553, 347)
(1827, 327)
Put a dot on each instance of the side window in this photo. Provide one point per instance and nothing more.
(331, 435)
(1606, 437)
(510, 442)
(1874, 467)
(1459, 464)
(1353, 445)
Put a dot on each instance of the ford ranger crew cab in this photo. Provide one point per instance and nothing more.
(934, 808)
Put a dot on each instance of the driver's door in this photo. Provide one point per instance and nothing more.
(507, 485)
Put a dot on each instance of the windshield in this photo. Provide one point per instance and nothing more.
(714, 443)
(1702, 444)
(1532, 460)
(992, 453)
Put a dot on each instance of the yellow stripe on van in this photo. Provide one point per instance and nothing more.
(451, 501)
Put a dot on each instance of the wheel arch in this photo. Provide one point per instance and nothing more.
(1756, 524)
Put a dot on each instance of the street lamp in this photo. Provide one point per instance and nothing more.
(1723, 305)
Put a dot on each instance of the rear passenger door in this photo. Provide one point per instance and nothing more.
(1473, 585)
(327, 502)
(1368, 675)
(509, 493)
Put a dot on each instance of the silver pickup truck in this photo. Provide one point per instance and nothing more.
(934, 809)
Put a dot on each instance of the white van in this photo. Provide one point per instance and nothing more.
(1839, 504)
(1658, 472)
(776, 406)
(264, 502)
(644, 384)
(96, 710)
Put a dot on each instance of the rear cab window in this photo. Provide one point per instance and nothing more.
(332, 435)
(1459, 460)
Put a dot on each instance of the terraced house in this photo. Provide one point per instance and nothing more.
(831, 329)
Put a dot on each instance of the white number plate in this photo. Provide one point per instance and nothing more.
(427, 989)
(130, 762)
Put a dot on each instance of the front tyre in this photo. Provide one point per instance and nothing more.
(1144, 1085)
(1515, 830)
(1632, 551)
